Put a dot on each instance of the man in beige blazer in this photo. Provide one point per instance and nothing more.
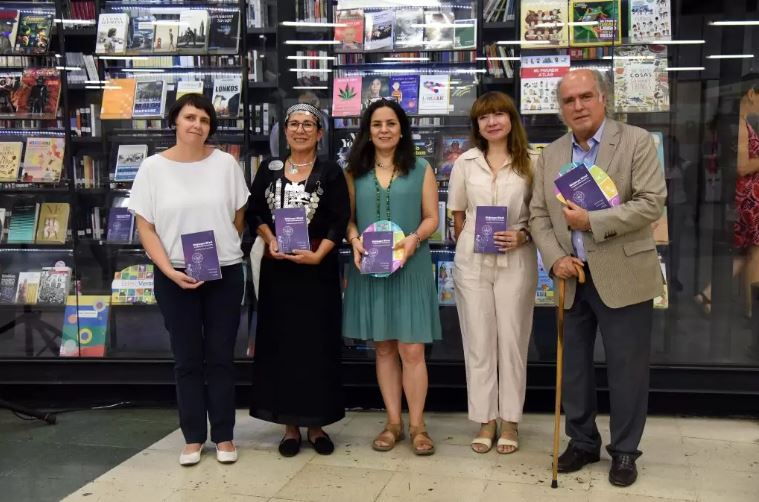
(617, 249)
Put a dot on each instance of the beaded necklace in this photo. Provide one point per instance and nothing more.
(377, 188)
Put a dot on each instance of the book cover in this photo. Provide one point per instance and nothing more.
(189, 87)
(544, 293)
(451, 147)
(28, 287)
(43, 160)
(291, 229)
(141, 34)
(434, 94)
(595, 22)
(10, 160)
(463, 94)
(343, 139)
(85, 326)
(539, 77)
(2, 223)
(465, 34)
(446, 293)
(346, 97)
(33, 34)
(39, 93)
(488, 221)
(378, 30)
(379, 253)
(543, 23)
(53, 223)
(641, 83)
(54, 285)
(200, 256)
(120, 225)
(8, 29)
(10, 85)
(409, 29)
(350, 36)
(405, 90)
(112, 33)
(118, 99)
(439, 234)
(650, 20)
(133, 285)
(128, 160)
(166, 33)
(579, 186)
(373, 88)
(149, 99)
(224, 35)
(438, 29)
(23, 222)
(226, 96)
(424, 146)
(8, 288)
(193, 29)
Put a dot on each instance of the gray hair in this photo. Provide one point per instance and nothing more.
(602, 85)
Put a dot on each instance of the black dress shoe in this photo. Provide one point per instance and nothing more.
(289, 447)
(623, 471)
(573, 459)
(322, 444)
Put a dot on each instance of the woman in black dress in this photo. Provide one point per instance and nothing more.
(296, 369)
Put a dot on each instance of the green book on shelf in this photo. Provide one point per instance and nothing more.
(23, 223)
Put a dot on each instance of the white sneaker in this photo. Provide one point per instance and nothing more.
(190, 458)
(226, 457)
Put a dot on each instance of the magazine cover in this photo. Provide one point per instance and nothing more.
(43, 160)
(451, 147)
(350, 36)
(539, 77)
(641, 83)
(193, 29)
(434, 94)
(141, 35)
(378, 29)
(405, 90)
(409, 30)
(33, 34)
(226, 96)
(596, 22)
(346, 97)
(149, 99)
(373, 88)
(543, 23)
(85, 325)
(10, 161)
(438, 29)
(8, 28)
(39, 93)
(112, 33)
(650, 20)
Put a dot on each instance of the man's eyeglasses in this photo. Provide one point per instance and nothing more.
(307, 126)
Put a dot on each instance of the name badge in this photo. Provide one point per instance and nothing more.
(276, 165)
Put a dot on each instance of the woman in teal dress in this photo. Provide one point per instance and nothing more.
(398, 313)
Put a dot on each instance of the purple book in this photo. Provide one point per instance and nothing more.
(579, 186)
(291, 229)
(200, 256)
(120, 225)
(405, 90)
(379, 253)
(488, 221)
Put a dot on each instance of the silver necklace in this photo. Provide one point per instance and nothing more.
(295, 168)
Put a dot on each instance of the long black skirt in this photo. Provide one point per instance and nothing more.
(296, 364)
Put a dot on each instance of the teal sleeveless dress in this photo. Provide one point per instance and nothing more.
(403, 306)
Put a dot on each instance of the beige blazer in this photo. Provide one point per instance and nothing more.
(620, 247)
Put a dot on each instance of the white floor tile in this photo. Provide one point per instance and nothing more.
(323, 483)
(408, 486)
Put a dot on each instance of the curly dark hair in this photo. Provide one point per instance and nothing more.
(361, 158)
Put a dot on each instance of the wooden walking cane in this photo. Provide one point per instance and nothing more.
(559, 369)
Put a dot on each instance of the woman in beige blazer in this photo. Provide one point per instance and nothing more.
(495, 293)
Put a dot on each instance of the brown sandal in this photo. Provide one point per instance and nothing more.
(385, 440)
(421, 442)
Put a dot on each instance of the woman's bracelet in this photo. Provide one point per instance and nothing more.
(418, 239)
(350, 241)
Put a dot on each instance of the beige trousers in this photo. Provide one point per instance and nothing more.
(495, 306)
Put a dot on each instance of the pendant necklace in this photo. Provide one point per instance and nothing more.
(377, 188)
(295, 168)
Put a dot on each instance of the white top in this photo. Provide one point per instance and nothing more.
(187, 197)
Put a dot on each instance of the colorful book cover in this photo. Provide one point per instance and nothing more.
(350, 36)
(224, 35)
(409, 29)
(33, 34)
(539, 77)
(650, 20)
(200, 256)
(85, 325)
(189, 87)
(373, 88)
(28, 287)
(601, 178)
(54, 285)
(641, 83)
(405, 90)
(488, 221)
(579, 186)
(10, 160)
(544, 293)
(39, 93)
(120, 225)
(112, 33)
(543, 23)
(8, 29)
(118, 99)
(379, 252)
(226, 96)
(346, 97)
(142, 31)
(43, 160)
(378, 30)
(438, 29)
(8, 288)
(53, 223)
(446, 293)
(149, 99)
(595, 22)
(23, 222)
(291, 229)
(193, 29)
(451, 147)
(434, 94)
(465, 34)
(128, 160)
(133, 285)
(424, 146)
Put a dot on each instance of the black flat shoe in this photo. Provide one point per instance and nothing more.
(289, 447)
(322, 444)
(573, 459)
(623, 471)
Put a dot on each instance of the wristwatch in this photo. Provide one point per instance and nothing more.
(527, 236)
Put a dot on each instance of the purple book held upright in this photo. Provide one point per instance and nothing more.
(379, 253)
(579, 186)
(488, 221)
(291, 228)
(200, 256)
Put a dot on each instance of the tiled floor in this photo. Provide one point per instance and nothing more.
(685, 459)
